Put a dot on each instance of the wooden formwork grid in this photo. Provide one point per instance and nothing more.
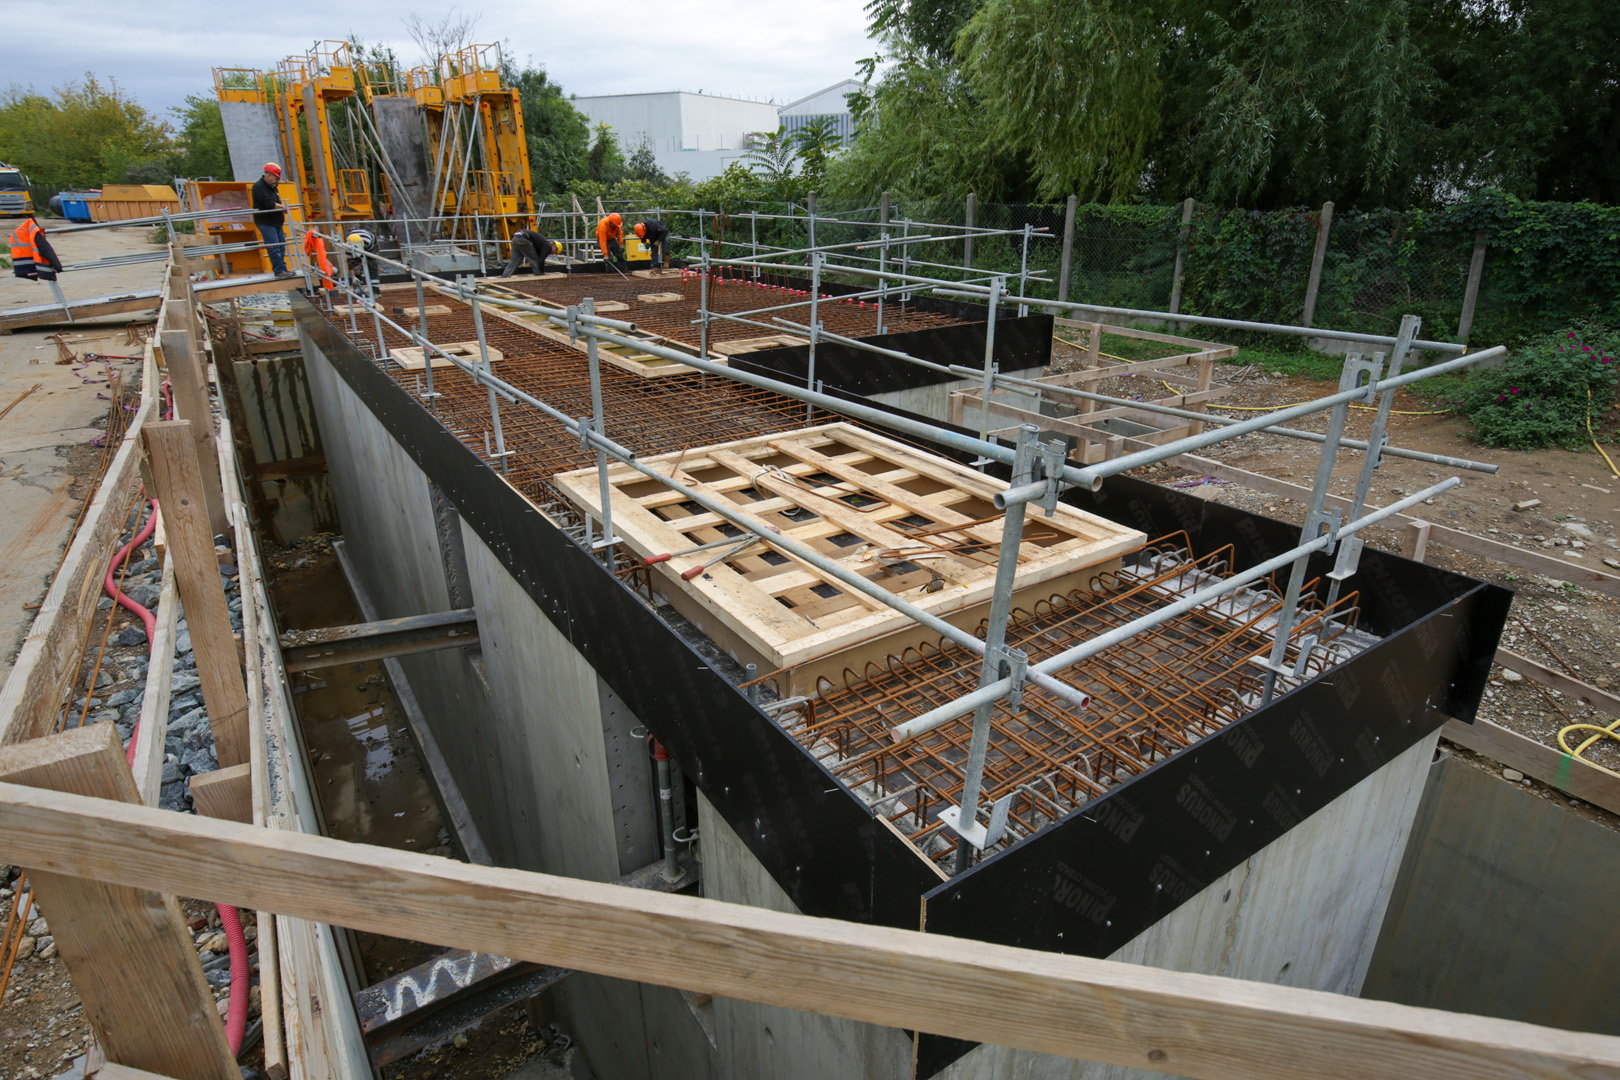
(1073, 1006)
(920, 526)
(1183, 378)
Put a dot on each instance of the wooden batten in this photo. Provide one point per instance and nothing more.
(917, 524)
(411, 358)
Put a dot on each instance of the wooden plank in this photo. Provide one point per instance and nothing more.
(109, 1071)
(212, 292)
(1200, 1026)
(50, 314)
(175, 473)
(128, 950)
(34, 691)
(188, 380)
(226, 794)
(1567, 773)
(1585, 693)
(148, 764)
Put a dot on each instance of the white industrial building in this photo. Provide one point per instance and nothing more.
(700, 134)
(831, 102)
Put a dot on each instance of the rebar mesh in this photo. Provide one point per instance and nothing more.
(1153, 696)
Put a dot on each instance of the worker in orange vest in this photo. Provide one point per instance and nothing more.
(315, 253)
(32, 256)
(610, 238)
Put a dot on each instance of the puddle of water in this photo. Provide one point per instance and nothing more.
(368, 775)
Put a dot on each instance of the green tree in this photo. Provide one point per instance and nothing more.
(817, 142)
(772, 156)
(604, 163)
(643, 166)
(558, 134)
(203, 151)
(86, 134)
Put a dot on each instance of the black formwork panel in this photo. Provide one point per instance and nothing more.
(1084, 885)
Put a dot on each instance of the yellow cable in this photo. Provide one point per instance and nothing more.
(1599, 732)
(1593, 437)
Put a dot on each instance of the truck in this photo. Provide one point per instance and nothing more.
(14, 196)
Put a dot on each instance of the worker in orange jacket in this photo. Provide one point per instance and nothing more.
(32, 255)
(610, 238)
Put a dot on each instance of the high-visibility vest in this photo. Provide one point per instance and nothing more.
(315, 248)
(24, 242)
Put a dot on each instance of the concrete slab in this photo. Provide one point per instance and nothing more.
(46, 454)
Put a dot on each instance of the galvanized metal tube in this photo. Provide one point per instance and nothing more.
(944, 714)
(471, 296)
(966, 291)
(991, 312)
(599, 421)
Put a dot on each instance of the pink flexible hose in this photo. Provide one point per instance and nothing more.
(229, 920)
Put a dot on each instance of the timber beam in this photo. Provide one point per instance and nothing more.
(302, 650)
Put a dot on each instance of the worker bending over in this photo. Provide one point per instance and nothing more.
(656, 235)
(32, 256)
(358, 268)
(610, 238)
(529, 246)
(270, 218)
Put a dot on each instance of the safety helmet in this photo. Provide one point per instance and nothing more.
(272, 168)
(641, 229)
(356, 239)
(616, 219)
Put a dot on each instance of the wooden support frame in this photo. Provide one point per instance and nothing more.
(180, 490)
(188, 378)
(305, 650)
(1200, 1026)
(127, 947)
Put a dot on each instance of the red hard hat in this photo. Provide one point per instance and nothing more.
(641, 229)
(272, 168)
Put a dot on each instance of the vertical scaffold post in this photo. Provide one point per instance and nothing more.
(971, 835)
(703, 305)
(883, 256)
(599, 425)
(421, 338)
(993, 304)
(1023, 270)
(967, 233)
(815, 327)
(469, 292)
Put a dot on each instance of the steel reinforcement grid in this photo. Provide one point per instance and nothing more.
(1152, 696)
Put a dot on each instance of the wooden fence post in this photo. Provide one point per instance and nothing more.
(1181, 255)
(128, 950)
(173, 458)
(967, 237)
(1314, 285)
(1068, 248)
(1476, 270)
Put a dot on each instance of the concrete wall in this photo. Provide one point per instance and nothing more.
(1504, 906)
(1304, 911)
(281, 426)
(399, 125)
(760, 1041)
(934, 401)
(252, 136)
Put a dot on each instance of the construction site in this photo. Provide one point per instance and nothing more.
(799, 659)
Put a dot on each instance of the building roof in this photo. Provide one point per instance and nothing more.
(853, 84)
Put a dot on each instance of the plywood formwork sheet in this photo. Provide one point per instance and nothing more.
(918, 525)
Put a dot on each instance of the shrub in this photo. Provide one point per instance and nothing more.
(1542, 396)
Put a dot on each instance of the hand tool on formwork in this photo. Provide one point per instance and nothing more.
(738, 549)
(668, 555)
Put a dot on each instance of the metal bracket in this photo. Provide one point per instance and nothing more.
(1354, 365)
(573, 323)
(1053, 454)
(1349, 559)
(1326, 521)
(1013, 664)
(980, 836)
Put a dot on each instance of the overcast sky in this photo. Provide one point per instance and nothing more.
(162, 50)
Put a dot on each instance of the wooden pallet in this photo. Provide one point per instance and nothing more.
(625, 357)
(661, 297)
(411, 358)
(919, 525)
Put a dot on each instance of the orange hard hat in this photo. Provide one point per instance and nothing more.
(615, 218)
(272, 168)
(641, 229)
